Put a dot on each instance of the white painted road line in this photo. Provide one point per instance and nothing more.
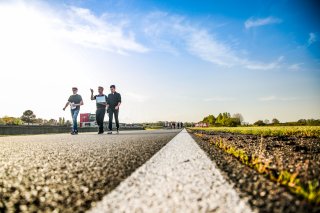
(179, 178)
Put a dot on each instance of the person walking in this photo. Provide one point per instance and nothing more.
(114, 102)
(101, 102)
(75, 101)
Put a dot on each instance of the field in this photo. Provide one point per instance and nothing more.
(153, 127)
(270, 163)
(301, 131)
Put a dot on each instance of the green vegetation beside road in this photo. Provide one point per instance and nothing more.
(225, 119)
(309, 190)
(304, 131)
(28, 117)
(153, 127)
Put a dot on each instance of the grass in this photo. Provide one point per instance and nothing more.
(153, 127)
(305, 131)
(310, 190)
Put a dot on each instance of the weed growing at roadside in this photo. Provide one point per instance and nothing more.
(309, 190)
(304, 131)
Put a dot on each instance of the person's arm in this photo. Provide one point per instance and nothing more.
(67, 104)
(79, 104)
(119, 102)
(105, 103)
(92, 97)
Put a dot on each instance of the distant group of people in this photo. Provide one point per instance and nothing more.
(176, 125)
(104, 103)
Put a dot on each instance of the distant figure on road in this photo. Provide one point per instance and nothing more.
(181, 125)
(75, 101)
(114, 102)
(101, 102)
(178, 125)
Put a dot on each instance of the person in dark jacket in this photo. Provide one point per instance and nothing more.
(114, 102)
(101, 102)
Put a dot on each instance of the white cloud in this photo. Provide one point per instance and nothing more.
(257, 22)
(201, 44)
(295, 67)
(264, 66)
(275, 98)
(74, 25)
(181, 34)
(83, 27)
(312, 38)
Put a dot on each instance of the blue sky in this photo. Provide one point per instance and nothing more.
(171, 60)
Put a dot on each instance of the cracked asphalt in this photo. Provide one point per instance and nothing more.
(64, 173)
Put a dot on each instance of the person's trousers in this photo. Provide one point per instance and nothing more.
(100, 117)
(116, 117)
(74, 115)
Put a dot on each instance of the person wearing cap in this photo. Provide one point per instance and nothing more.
(75, 101)
(114, 102)
(101, 102)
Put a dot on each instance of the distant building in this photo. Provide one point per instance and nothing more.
(89, 120)
(201, 124)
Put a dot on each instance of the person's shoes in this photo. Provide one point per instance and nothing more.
(100, 132)
(73, 133)
(117, 131)
(109, 133)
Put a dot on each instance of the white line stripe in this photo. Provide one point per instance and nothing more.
(179, 178)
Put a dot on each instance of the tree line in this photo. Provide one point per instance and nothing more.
(225, 119)
(28, 117)
(276, 122)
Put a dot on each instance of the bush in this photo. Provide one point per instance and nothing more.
(259, 123)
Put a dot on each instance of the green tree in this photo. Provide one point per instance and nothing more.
(2, 121)
(8, 120)
(313, 122)
(219, 119)
(52, 122)
(39, 121)
(11, 120)
(238, 116)
(209, 119)
(68, 123)
(302, 121)
(225, 121)
(61, 121)
(259, 123)
(232, 122)
(275, 121)
(28, 116)
(17, 121)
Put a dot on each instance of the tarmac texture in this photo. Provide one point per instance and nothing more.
(179, 178)
(64, 173)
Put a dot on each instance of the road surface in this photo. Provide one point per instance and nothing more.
(66, 173)
(136, 171)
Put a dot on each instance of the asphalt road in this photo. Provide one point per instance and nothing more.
(180, 178)
(64, 173)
